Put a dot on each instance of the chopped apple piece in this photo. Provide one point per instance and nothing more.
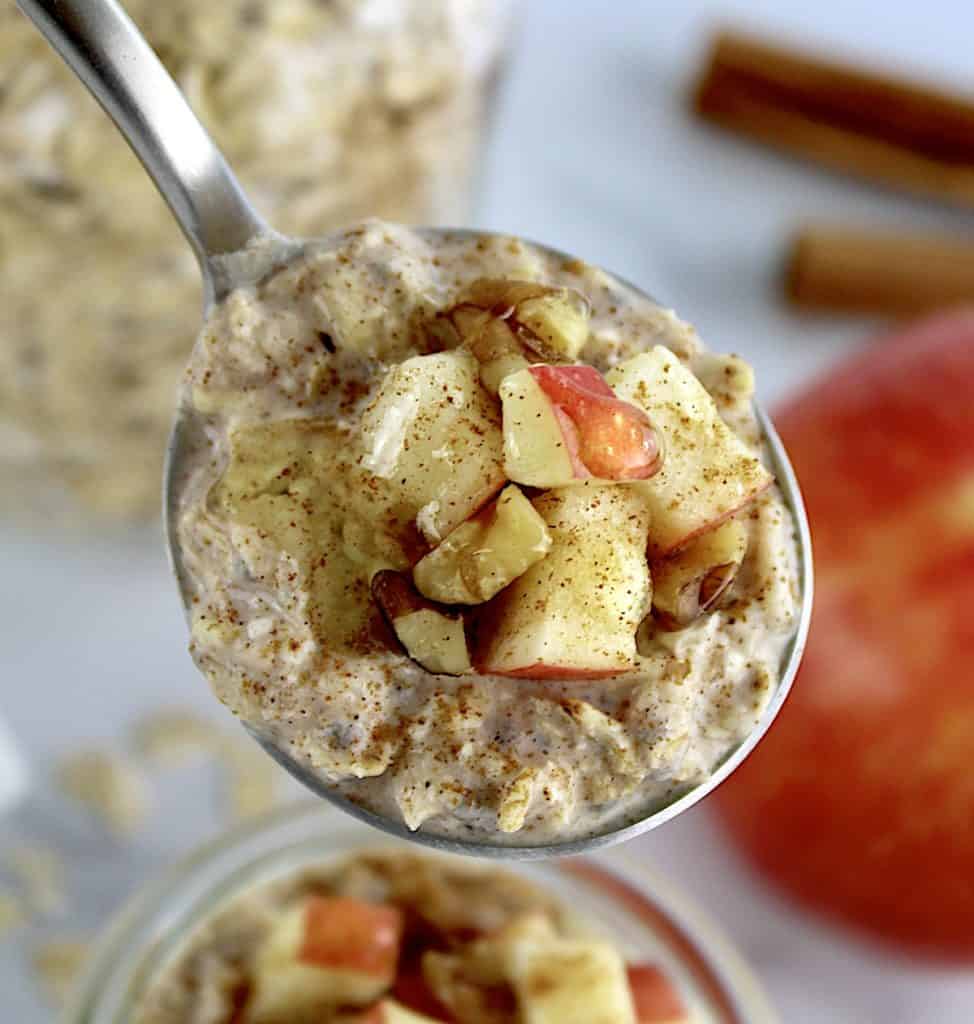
(556, 323)
(536, 450)
(709, 473)
(571, 981)
(574, 614)
(433, 636)
(433, 432)
(691, 582)
(435, 641)
(655, 997)
(484, 554)
(563, 424)
(322, 954)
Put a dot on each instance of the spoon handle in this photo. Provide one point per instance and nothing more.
(102, 45)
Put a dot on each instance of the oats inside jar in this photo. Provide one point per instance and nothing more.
(481, 535)
(400, 939)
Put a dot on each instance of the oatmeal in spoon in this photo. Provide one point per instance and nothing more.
(480, 535)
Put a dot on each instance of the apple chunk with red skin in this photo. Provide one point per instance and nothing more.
(574, 614)
(654, 996)
(323, 953)
(564, 423)
(708, 472)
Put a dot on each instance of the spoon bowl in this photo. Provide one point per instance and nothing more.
(236, 248)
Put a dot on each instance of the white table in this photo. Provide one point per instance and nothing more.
(599, 158)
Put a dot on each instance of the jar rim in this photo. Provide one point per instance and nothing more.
(157, 919)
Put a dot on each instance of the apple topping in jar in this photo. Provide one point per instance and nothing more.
(399, 939)
(496, 558)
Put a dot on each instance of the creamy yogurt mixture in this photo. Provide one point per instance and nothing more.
(400, 939)
(349, 427)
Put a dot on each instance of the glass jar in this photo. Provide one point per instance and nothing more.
(329, 112)
(639, 911)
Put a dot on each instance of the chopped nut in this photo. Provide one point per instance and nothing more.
(486, 553)
(499, 353)
(690, 583)
(500, 295)
(551, 321)
(433, 636)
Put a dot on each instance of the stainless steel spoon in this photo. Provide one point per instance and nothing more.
(106, 51)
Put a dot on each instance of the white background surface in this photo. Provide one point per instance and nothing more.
(593, 154)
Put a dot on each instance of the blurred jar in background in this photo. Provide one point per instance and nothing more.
(328, 111)
(638, 912)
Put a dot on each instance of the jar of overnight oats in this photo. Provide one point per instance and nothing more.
(173, 921)
(329, 111)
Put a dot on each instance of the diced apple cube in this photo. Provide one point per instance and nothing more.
(571, 981)
(434, 637)
(558, 321)
(322, 954)
(691, 582)
(575, 613)
(563, 424)
(433, 433)
(486, 553)
(536, 452)
(708, 472)
(655, 997)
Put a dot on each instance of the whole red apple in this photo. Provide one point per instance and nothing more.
(860, 800)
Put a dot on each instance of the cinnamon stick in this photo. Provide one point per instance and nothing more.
(864, 271)
(884, 128)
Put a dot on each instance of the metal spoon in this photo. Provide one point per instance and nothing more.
(106, 51)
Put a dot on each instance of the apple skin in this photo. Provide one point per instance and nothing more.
(860, 800)
(351, 934)
(412, 991)
(606, 437)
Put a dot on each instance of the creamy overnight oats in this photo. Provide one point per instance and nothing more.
(328, 112)
(393, 938)
(480, 535)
